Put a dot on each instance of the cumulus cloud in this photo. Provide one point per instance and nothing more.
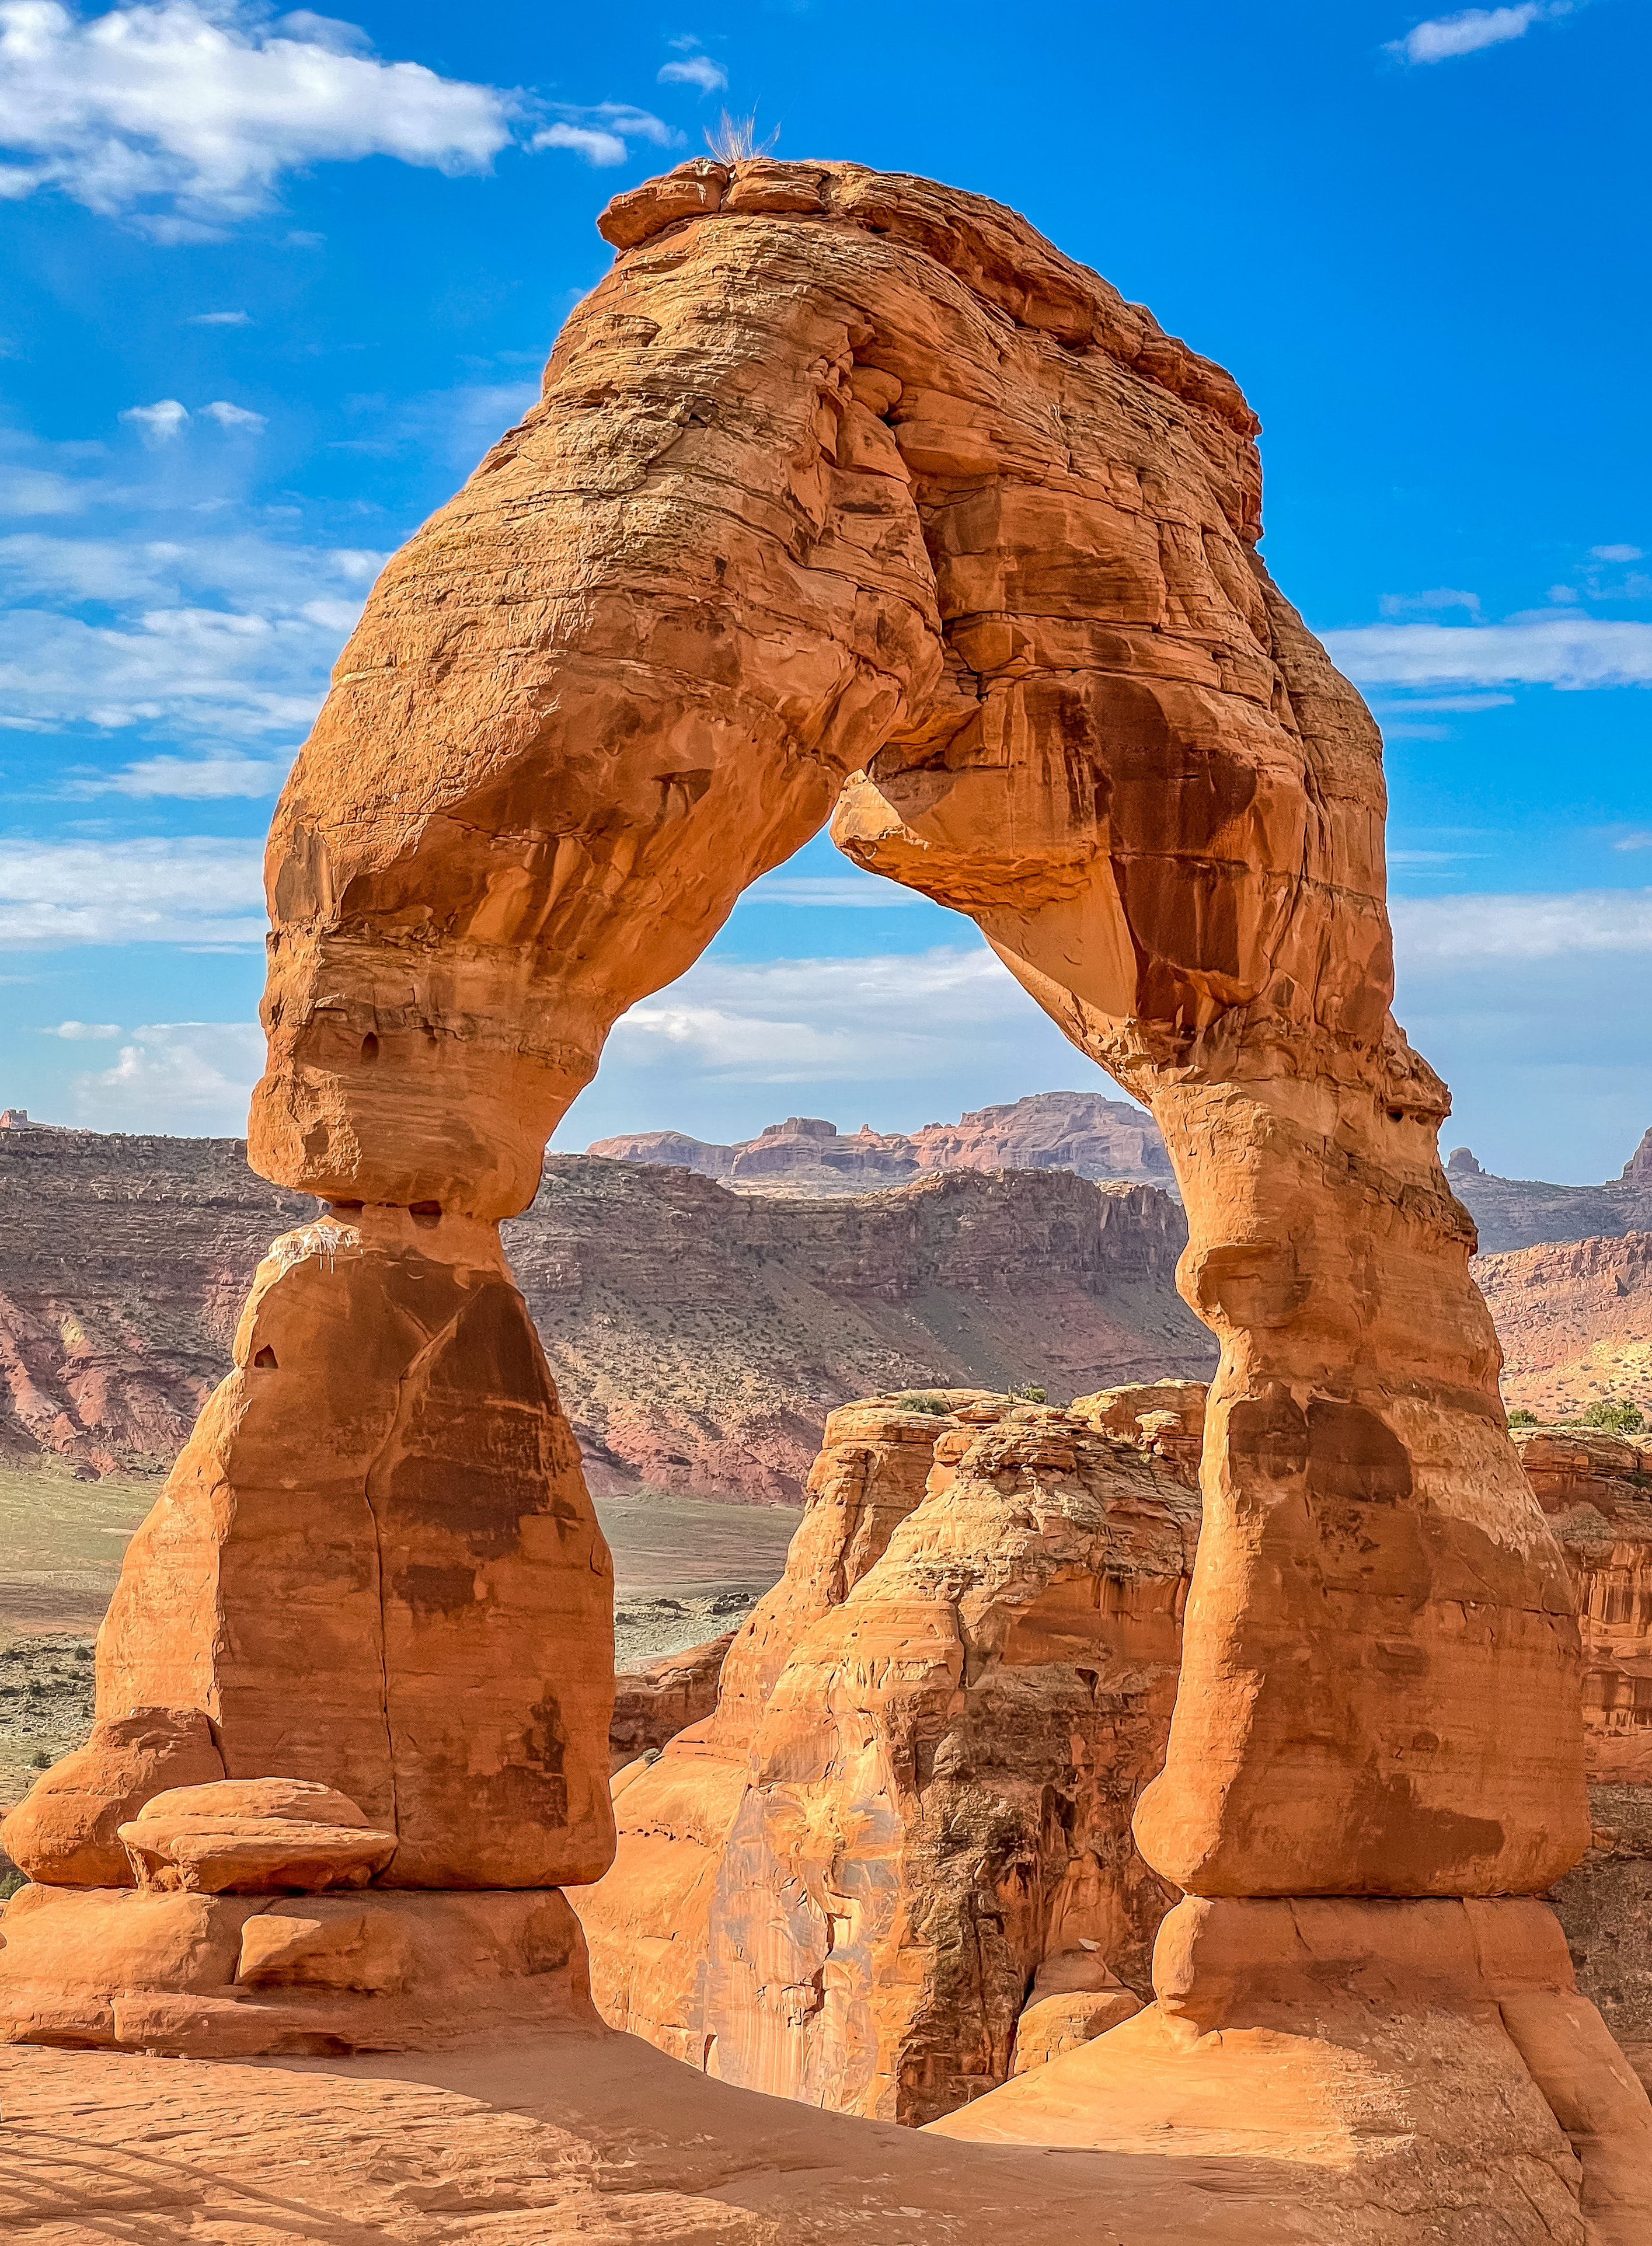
(183, 1077)
(1443, 37)
(695, 69)
(160, 422)
(77, 1032)
(185, 116)
(1573, 651)
(234, 417)
(1616, 554)
(601, 133)
(141, 889)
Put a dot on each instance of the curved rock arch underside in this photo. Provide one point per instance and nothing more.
(851, 499)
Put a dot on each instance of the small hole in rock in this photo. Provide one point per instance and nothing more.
(265, 1359)
(1396, 1114)
(426, 1213)
(343, 1204)
(370, 1047)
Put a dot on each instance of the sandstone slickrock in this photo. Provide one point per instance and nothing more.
(65, 1832)
(851, 497)
(1076, 1131)
(254, 1836)
(917, 1786)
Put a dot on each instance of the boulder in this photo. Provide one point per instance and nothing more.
(254, 1836)
(1075, 1995)
(65, 1832)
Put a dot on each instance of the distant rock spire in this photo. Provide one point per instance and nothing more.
(1639, 1165)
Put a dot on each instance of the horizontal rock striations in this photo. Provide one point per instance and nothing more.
(1078, 1131)
(699, 1341)
(1575, 1322)
(1511, 1213)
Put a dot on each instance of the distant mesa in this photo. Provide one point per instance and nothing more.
(1095, 1138)
(1513, 1213)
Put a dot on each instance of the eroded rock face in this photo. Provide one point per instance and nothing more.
(66, 1830)
(917, 1786)
(418, 1612)
(254, 1836)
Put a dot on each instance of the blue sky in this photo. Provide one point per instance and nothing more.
(271, 283)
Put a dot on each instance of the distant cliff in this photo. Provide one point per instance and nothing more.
(1078, 1131)
(698, 1338)
(1574, 1318)
(1522, 1212)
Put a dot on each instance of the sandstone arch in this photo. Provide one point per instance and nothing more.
(850, 498)
(847, 491)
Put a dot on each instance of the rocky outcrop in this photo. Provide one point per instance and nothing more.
(1575, 1322)
(915, 1794)
(66, 1831)
(1513, 1213)
(1078, 1131)
(259, 1836)
(699, 1340)
(653, 1704)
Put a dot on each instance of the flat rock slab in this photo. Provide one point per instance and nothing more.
(599, 2138)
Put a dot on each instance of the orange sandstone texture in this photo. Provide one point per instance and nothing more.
(915, 1795)
(376, 1567)
(854, 491)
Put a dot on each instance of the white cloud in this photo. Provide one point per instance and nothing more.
(1637, 842)
(695, 69)
(186, 115)
(1572, 650)
(79, 1031)
(1616, 554)
(601, 133)
(1425, 604)
(184, 1076)
(1465, 931)
(197, 779)
(828, 890)
(232, 636)
(158, 422)
(234, 417)
(141, 889)
(797, 1021)
(219, 320)
(1441, 38)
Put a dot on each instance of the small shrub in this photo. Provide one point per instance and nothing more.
(40, 1759)
(1616, 1418)
(1027, 1395)
(735, 139)
(1519, 1417)
(10, 1883)
(917, 1400)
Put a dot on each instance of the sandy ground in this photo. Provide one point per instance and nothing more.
(685, 1570)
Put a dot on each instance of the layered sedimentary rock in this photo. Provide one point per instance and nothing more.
(699, 1340)
(915, 1794)
(1076, 1131)
(1513, 1213)
(849, 497)
(653, 1704)
(1575, 1322)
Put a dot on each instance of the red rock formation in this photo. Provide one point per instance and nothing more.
(258, 1836)
(1513, 1213)
(915, 1790)
(1076, 1131)
(65, 1831)
(1575, 1322)
(848, 491)
(653, 1704)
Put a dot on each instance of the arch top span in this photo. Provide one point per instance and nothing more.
(849, 497)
